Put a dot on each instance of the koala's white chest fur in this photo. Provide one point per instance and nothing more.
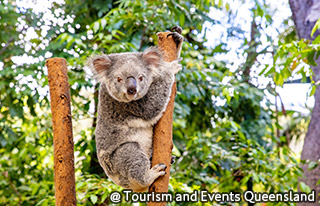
(143, 136)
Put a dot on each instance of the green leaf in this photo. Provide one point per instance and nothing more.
(16, 110)
(70, 38)
(226, 94)
(70, 42)
(175, 151)
(316, 40)
(316, 27)
(103, 23)
(182, 19)
(227, 6)
(255, 177)
(41, 202)
(312, 165)
(271, 70)
(63, 37)
(278, 79)
(96, 27)
(246, 179)
(3, 141)
(94, 199)
(313, 90)
(45, 202)
(23, 153)
(104, 196)
(311, 58)
(304, 187)
(25, 188)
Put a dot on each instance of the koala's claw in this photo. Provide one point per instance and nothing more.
(163, 166)
(159, 167)
(177, 38)
(176, 35)
(173, 159)
(177, 29)
(158, 170)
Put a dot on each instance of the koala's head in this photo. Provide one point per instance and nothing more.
(127, 76)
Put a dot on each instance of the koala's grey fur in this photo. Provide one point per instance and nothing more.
(125, 121)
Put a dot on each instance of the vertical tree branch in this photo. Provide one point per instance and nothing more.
(162, 138)
(252, 52)
(95, 99)
(64, 177)
(142, 36)
(303, 14)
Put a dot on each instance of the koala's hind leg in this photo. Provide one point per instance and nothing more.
(140, 181)
(133, 164)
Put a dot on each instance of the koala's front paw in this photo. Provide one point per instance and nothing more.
(175, 66)
(176, 35)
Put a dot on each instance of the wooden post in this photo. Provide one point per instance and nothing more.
(162, 138)
(64, 179)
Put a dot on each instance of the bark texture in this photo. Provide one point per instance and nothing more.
(305, 13)
(162, 138)
(64, 178)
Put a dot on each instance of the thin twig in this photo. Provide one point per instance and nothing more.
(6, 46)
(5, 174)
(141, 41)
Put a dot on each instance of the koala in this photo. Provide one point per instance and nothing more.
(135, 89)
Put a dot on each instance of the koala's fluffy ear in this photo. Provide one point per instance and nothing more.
(100, 64)
(152, 56)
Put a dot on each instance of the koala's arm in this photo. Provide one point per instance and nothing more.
(155, 101)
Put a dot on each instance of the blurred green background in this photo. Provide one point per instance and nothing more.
(231, 130)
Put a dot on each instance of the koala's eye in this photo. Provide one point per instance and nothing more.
(140, 78)
(119, 79)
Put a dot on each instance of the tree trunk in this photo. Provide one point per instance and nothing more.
(64, 178)
(305, 13)
(162, 137)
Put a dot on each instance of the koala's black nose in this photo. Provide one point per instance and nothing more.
(132, 91)
(131, 86)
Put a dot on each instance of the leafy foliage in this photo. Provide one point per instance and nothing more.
(224, 127)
